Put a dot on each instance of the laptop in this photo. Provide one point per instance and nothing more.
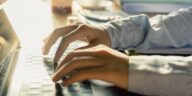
(9, 48)
(39, 70)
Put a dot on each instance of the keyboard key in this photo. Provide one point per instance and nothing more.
(85, 87)
(48, 60)
(47, 88)
(34, 92)
(24, 87)
(38, 62)
(59, 90)
(23, 90)
(86, 82)
(73, 94)
(48, 93)
(32, 79)
(73, 88)
(34, 85)
(50, 72)
(87, 94)
(45, 77)
(23, 93)
(33, 95)
(36, 58)
(47, 82)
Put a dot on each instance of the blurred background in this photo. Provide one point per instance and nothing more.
(142, 6)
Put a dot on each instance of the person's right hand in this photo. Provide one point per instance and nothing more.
(94, 36)
(96, 63)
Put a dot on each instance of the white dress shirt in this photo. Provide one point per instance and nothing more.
(156, 75)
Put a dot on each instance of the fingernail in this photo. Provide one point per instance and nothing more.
(44, 51)
(54, 79)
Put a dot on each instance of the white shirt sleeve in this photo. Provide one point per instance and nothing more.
(162, 31)
(161, 75)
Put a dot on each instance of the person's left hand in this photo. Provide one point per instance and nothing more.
(99, 62)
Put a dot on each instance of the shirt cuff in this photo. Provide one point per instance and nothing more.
(137, 75)
(111, 32)
(160, 75)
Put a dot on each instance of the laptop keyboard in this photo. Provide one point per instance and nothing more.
(39, 82)
(4, 69)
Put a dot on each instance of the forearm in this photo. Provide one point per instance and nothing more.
(160, 75)
(128, 32)
(162, 31)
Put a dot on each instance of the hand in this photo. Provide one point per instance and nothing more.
(2, 1)
(99, 62)
(94, 36)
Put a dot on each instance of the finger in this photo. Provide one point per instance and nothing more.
(45, 39)
(61, 48)
(91, 52)
(80, 63)
(84, 75)
(86, 47)
(55, 35)
(91, 44)
(79, 33)
(85, 40)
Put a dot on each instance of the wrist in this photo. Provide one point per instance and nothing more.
(106, 36)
